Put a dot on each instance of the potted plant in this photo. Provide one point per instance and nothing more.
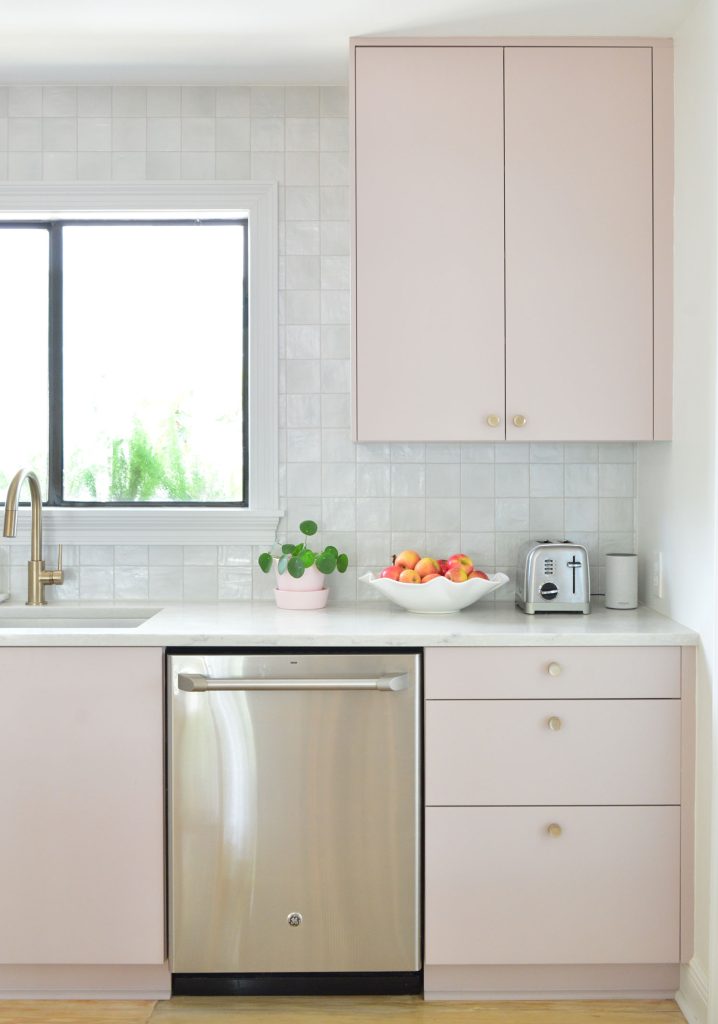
(301, 572)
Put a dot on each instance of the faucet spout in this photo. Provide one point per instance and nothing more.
(10, 524)
(38, 577)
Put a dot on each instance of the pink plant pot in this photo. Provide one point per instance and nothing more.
(301, 600)
(312, 580)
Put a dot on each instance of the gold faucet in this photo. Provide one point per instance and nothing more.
(38, 577)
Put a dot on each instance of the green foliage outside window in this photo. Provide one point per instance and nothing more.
(138, 471)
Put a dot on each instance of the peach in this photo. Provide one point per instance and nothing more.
(392, 572)
(456, 574)
(407, 559)
(431, 576)
(409, 576)
(427, 567)
(478, 574)
(461, 561)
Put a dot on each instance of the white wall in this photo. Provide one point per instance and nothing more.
(676, 505)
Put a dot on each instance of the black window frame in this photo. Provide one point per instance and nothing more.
(54, 227)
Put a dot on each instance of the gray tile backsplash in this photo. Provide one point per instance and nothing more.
(372, 499)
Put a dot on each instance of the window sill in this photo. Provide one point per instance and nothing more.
(152, 526)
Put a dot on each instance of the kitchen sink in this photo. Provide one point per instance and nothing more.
(74, 618)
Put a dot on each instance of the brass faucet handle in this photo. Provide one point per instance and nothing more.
(55, 577)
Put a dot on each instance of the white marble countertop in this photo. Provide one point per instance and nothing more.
(261, 624)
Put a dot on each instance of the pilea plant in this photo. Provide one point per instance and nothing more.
(297, 558)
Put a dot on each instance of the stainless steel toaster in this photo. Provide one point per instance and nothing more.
(553, 576)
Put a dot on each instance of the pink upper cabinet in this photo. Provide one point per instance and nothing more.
(579, 242)
(429, 243)
(513, 206)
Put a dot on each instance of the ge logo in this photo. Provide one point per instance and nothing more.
(294, 920)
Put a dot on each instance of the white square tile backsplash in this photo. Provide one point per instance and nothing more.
(373, 499)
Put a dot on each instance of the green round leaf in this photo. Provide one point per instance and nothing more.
(342, 563)
(283, 563)
(308, 558)
(308, 527)
(296, 567)
(326, 563)
(265, 561)
(287, 549)
(297, 549)
(331, 550)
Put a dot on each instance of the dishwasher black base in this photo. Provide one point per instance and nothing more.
(359, 983)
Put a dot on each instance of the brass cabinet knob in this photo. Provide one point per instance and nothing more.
(493, 420)
(554, 669)
(519, 421)
(554, 723)
(554, 830)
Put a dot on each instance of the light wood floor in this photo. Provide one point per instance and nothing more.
(347, 1010)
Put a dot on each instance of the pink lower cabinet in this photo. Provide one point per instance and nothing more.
(82, 807)
(573, 673)
(558, 820)
(547, 752)
(501, 888)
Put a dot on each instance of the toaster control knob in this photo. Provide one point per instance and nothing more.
(549, 591)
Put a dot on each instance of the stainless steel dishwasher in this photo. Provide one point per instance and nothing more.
(294, 822)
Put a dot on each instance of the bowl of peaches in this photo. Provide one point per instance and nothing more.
(433, 585)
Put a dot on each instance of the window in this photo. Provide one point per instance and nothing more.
(145, 327)
(140, 325)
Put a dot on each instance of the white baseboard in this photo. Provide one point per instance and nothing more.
(692, 996)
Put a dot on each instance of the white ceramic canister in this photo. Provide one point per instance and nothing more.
(621, 580)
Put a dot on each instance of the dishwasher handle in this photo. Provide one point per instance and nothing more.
(193, 682)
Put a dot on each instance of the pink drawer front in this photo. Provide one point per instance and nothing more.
(553, 752)
(460, 673)
(501, 890)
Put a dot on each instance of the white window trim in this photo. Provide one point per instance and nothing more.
(256, 524)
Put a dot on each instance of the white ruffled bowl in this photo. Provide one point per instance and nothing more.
(438, 596)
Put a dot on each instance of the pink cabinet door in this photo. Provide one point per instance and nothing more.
(579, 243)
(429, 243)
(81, 802)
(500, 889)
(553, 752)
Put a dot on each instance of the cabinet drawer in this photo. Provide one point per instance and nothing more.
(527, 672)
(553, 752)
(501, 890)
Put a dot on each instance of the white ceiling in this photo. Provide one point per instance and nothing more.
(273, 40)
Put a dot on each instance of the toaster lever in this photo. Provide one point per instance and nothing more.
(573, 565)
